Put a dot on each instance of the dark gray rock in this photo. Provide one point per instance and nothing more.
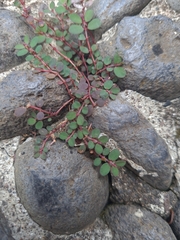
(138, 140)
(134, 222)
(128, 188)
(63, 194)
(112, 11)
(20, 88)
(174, 4)
(5, 232)
(149, 49)
(176, 221)
(13, 30)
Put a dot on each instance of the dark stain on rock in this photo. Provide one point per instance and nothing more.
(157, 50)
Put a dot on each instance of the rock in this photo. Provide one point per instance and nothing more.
(5, 232)
(174, 4)
(13, 30)
(63, 194)
(176, 221)
(149, 49)
(111, 12)
(139, 141)
(128, 188)
(20, 88)
(134, 222)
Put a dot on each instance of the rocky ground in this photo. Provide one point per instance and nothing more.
(165, 117)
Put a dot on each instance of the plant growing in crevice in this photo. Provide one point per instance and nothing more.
(89, 79)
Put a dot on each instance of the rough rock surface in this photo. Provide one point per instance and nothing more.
(138, 140)
(176, 221)
(20, 88)
(5, 232)
(128, 188)
(63, 194)
(149, 50)
(112, 11)
(142, 225)
(13, 29)
(175, 4)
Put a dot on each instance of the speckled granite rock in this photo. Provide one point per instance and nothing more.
(128, 188)
(63, 194)
(5, 232)
(13, 29)
(138, 140)
(175, 4)
(20, 88)
(176, 221)
(149, 50)
(134, 222)
(112, 11)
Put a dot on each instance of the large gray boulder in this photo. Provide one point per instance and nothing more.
(134, 222)
(138, 140)
(20, 88)
(149, 49)
(63, 194)
(13, 30)
(128, 188)
(111, 12)
(175, 225)
(175, 4)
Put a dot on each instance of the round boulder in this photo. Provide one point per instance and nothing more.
(64, 193)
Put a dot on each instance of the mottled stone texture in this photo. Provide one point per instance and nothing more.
(20, 88)
(134, 222)
(175, 4)
(63, 194)
(13, 30)
(112, 11)
(176, 221)
(5, 232)
(128, 188)
(137, 139)
(149, 49)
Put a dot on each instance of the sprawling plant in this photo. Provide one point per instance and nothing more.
(89, 79)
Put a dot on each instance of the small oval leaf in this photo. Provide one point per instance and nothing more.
(63, 135)
(31, 121)
(94, 24)
(114, 155)
(88, 15)
(20, 111)
(71, 115)
(120, 72)
(75, 29)
(97, 162)
(39, 125)
(75, 18)
(104, 169)
(98, 149)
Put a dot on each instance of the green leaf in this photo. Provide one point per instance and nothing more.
(63, 135)
(94, 24)
(104, 94)
(80, 120)
(90, 145)
(52, 5)
(103, 139)
(43, 156)
(71, 115)
(75, 29)
(98, 149)
(85, 131)
(26, 39)
(34, 42)
(76, 105)
(99, 65)
(106, 151)
(89, 61)
(62, 1)
(71, 142)
(36, 155)
(117, 59)
(60, 9)
(42, 29)
(94, 47)
(41, 38)
(82, 149)
(80, 134)
(95, 133)
(22, 52)
(38, 49)
(81, 37)
(49, 40)
(120, 163)
(110, 69)
(115, 171)
(39, 125)
(115, 90)
(97, 162)
(73, 125)
(19, 46)
(75, 18)
(112, 96)
(114, 155)
(31, 121)
(120, 72)
(108, 84)
(88, 15)
(85, 110)
(29, 58)
(84, 49)
(107, 60)
(104, 169)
